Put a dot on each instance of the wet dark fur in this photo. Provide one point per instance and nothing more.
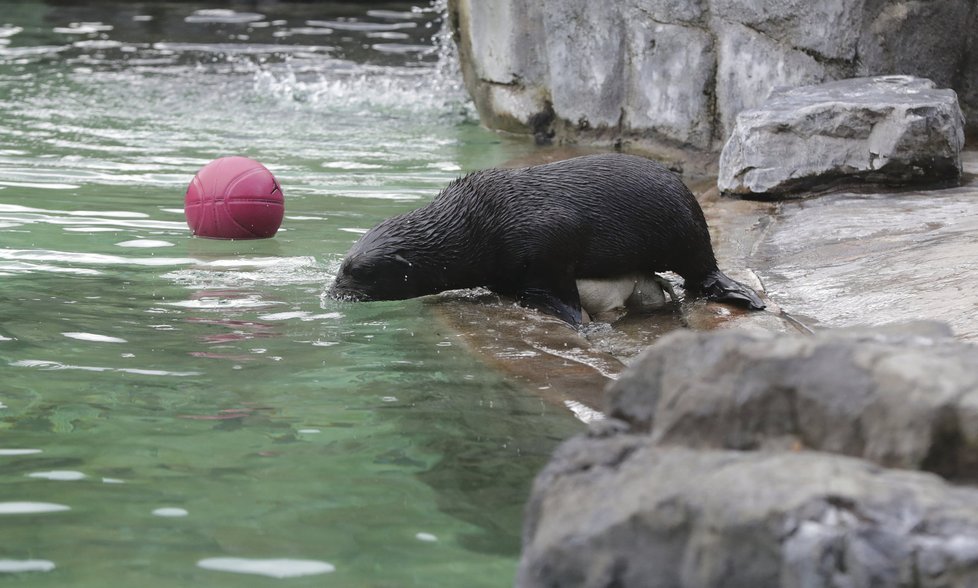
(531, 232)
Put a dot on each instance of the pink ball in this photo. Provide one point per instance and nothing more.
(234, 198)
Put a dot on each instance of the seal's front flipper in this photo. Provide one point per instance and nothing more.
(550, 302)
(717, 286)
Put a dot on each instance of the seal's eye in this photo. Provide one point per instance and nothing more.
(348, 270)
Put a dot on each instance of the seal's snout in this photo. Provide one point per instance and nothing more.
(346, 295)
(380, 274)
(343, 288)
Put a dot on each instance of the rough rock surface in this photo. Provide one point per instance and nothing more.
(622, 512)
(718, 467)
(675, 74)
(905, 397)
(894, 130)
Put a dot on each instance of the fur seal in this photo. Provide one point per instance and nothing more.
(532, 232)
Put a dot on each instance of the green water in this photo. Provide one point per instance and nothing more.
(146, 369)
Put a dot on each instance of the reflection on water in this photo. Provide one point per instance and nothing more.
(12, 566)
(7, 508)
(180, 411)
(275, 568)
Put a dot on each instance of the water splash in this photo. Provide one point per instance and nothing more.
(430, 88)
(448, 71)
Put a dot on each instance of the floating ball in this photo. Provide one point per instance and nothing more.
(234, 198)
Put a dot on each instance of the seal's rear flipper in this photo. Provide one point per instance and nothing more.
(547, 301)
(717, 286)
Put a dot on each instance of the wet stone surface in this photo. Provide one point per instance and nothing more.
(847, 259)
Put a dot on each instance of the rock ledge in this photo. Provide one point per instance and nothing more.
(885, 130)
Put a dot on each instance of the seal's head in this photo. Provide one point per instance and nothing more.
(375, 275)
(383, 265)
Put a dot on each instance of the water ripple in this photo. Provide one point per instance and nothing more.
(94, 338)
(170, 512)
(223, 15)
(9, 508)
(59, 475)
(273, 568)
(227, 273)
(394, 14)
(351, 25)
(240, 48)
(17, 566)
(83, 28)
(23, 215)
(19, 267)
(41, 185)
(144, 243)
(9, 452)
(15, 208)
(217, 302)
(99, 259)
(54, 365)
(35, 51)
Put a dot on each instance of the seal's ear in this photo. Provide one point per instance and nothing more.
(398, 257)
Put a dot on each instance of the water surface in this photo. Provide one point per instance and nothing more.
(179, 411)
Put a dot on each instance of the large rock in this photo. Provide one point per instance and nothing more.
(675, 73)
(719, 466)
(622, 512)
(905, 397)
(889, 130)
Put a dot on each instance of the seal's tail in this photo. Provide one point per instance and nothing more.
(717, 286)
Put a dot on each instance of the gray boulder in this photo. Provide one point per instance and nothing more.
(888, 130)
(623, 512)
(903, 397)
(720, 466)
